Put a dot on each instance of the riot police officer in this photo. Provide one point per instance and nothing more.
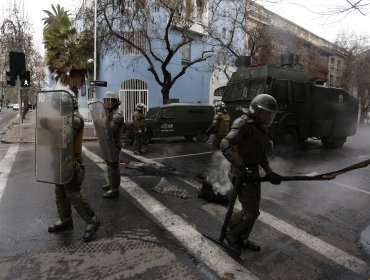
(69, 194)
(139, 127)
(244, 148)
(115, 125)
(220, 124)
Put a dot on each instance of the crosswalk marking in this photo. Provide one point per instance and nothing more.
(336, 255)
(325, 249)
(6, 165)
(209, 253)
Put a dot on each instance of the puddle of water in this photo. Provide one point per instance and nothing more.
(365, 240)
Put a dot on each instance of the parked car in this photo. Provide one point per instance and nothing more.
(15, 107)
(9, 106)
(176, 119)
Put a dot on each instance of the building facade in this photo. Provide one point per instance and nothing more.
(324, 60)
(127, 72)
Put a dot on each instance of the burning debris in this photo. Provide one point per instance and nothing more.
(167, 188)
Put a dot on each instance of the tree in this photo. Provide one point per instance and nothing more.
(16, 35)
(157, 31)
(67, 51)
(356, 76)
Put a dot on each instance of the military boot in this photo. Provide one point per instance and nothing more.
(91, 229)
(251, 245)
(111, 194)
(61, 226)
(234, 244)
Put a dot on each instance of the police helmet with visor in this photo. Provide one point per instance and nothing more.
(111, 100)
(140, 107)
(220, 106)
(262, 108)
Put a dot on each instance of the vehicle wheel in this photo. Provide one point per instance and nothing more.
(286, 140)
(333, 143)
(147, 137)
(189, 137)
(202, 135)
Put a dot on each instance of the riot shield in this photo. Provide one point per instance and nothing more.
(108, 149)
(54, 137)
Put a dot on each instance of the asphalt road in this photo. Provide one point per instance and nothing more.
(307, 230)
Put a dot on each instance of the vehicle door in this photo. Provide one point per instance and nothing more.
(166, 122)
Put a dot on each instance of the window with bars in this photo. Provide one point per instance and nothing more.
(133, 91)
(137, 38)
(186, 54)
(219, 91)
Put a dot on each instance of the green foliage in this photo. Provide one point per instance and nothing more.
(67, 51)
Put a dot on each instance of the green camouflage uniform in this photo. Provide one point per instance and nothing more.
(220, 127)
(115, 124)
(244, 146)
(139, 128)
(69, 194)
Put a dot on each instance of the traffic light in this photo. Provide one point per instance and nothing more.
(25, 79)
(10, 79)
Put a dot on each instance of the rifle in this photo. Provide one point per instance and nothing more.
(324, 176)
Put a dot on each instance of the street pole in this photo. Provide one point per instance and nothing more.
(20, 107)
(94, 86)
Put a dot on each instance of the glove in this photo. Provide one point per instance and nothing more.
(274, 178)
(246, 173)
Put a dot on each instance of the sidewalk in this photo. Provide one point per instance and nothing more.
(13, 135)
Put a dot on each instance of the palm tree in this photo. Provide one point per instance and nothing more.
(67, 51)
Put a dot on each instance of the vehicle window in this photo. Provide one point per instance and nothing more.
(152, 112)
(167, 113)
(299, 93)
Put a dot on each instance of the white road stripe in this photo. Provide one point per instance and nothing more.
(349, 187)
(179, 156)
(209, 253)
(6, 165)
(336, 255)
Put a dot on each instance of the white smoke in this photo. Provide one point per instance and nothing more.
(217, 174)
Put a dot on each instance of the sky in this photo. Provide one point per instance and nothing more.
(308, 14)
(301, 12)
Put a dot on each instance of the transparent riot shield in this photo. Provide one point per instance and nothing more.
(108, 149)
(54, 137)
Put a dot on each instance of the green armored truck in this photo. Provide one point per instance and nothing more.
(177, 119)
(305, 110)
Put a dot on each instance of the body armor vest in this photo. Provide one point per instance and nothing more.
(224, 125)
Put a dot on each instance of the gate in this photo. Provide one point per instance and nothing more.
(132, 92)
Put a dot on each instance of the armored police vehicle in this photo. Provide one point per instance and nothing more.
(177, 119)
(305, 110)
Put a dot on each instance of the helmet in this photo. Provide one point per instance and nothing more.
(220, 106)
(111, 100)
(262, 103)
(140, 107)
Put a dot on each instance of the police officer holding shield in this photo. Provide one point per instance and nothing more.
(139, 127)
(115, 126)
(220, 124)
(59, 132)
(244, 148)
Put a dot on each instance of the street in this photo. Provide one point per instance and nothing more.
(307, 230)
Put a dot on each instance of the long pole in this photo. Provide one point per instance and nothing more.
(95, 34)
(20, 107)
